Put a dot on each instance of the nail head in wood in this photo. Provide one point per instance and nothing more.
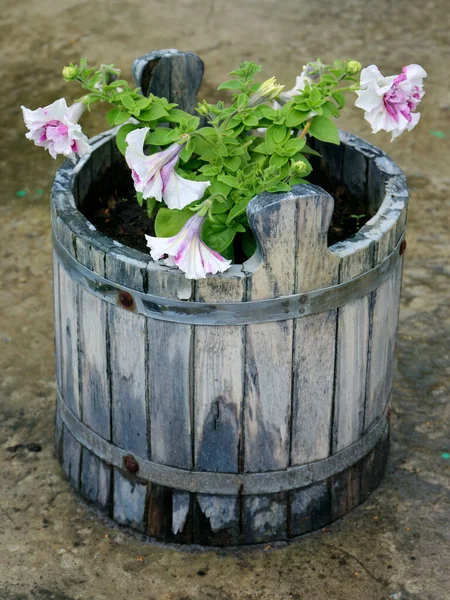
(130, 464)
(126, 299)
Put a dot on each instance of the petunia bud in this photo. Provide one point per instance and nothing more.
(298, 167)
(70, 72)
(353, 67)
(268, 90)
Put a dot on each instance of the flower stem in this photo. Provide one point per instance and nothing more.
(305, 130)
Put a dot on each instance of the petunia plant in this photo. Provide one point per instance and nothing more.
(197, 173)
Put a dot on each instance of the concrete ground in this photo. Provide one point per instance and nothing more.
(397, 545)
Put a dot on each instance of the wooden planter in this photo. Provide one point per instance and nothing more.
(248, 407)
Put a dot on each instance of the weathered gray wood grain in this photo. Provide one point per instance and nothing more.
(180, 510)
(351, 352)
(314, 336)
(170, 74)
(129, 501)
(127, 341)
(309, 509)
(95, 480)
(57, 321)
(71, 457)
(268, 364)
(264, 518)
(68, 294)
(218, 395)
(169, 353)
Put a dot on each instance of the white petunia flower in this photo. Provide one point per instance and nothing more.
(56, 128)
(155, 176)
(188, 252)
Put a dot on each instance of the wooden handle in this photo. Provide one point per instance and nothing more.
(170, 74)
(291, 231)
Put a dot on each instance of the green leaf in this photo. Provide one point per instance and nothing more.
(162, 136)
(151, 203)
(340, 98)
(294, 145)
(117, 83)
(280, 187)
(251, 121)
(229, 180)
(175, 115)
(127, 101)
(232, 84)
(111, 116)
(278, 161)
(143, 103)
(121, 117)
(269, 113)
(156, 111)
(238, 209)
(217, 236)
(139, 198)
(122, 134)
(187, 151)
(169, 222)
(297, 180)
(232, 163)
(242, 100)
(324, 129)
(279, 133)
(210, 170)
(219, 187)
(261, 148)
(296, 117)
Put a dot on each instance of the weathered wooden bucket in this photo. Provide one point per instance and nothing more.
(248, 407)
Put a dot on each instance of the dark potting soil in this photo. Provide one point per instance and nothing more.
(111, 206)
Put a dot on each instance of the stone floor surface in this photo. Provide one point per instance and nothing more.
(397, 545)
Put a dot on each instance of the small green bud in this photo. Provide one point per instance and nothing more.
(267, 91)
(298, 167)
(70, 72)
(353, 67)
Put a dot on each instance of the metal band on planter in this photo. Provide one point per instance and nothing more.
(229, 313)
(223, 484)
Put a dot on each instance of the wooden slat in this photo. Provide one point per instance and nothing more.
(268, 368)
(127, 339)
(218, 393)
(57, 321)
(128, 350)
(170, 396)
(353, 334)
(268, 363)
(385, 300)
(351, 353)
(68, 294)
(314, 336)
(129, 501)
(95, 480)
(71, 457)
(170, 74)
(265, 518)
(309, 509)
(95, 392)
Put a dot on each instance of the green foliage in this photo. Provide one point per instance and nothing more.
(239, 162)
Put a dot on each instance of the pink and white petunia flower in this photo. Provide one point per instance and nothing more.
(188, 252)
(155, 176)
(56, 128)
(389, 102)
